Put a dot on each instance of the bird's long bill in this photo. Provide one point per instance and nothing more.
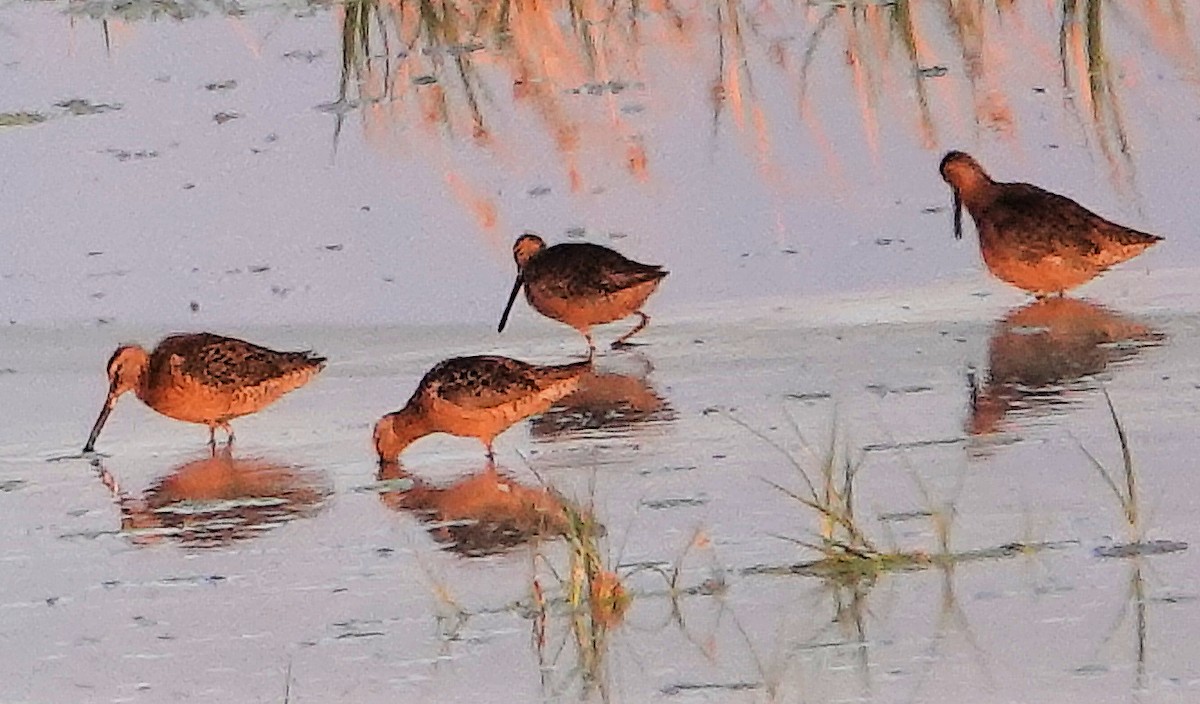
(958, 207)
(108, 406)
(512, 297)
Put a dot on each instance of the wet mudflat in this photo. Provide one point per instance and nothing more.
(160, 573)
(349, 178)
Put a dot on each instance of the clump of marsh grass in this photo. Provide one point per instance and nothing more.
(848, 554)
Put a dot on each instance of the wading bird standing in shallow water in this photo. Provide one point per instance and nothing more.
(582, 285)
(204, 378)
(474, 397)
(1034, 239)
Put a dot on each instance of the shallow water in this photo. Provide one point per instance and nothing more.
(256, 170)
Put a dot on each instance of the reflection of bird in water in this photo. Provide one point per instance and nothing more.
(582, 284)
(218, 500)
(1042, 350)
(204, 378)
(606, 401)
(1034, 239)
(474, 397)
(481, 514)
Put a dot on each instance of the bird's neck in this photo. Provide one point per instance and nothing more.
(397, 431)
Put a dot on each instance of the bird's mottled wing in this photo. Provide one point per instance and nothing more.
(580, 268)
(224, 362)
(481, 382)
(1044, 224)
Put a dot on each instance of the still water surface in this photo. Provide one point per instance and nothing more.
(350, 176)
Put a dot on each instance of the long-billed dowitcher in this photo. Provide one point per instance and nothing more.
(1034, 239)
(582, 284)
(474, 397)
(204, 378)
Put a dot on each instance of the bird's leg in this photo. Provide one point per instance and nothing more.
(645, 320)
(491, 456)
(591, 344)
(228, 432)
(212, 439)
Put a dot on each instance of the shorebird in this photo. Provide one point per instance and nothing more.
(204, 378)
(582, 284)
(1036, 240)
(474, 397)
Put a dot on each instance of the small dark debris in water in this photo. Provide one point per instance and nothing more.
(79, 106)
(933, 209)
(334, 247)
(684, 687)
(360, 634)
(575, 232)
(1091, 669)
(10, 485)
(221, 85)
(194, 306)
(339, 590)
(188, 186)
(667, 470)
(885, 241)
(104, 321)
(809, 396)
(115, 273)
(271, 138)
(389, 279)
(901, 516)
(424, 80)
(1150, 547)
(135, 155)
(885, 446)
(223, 117)
(613, 87)
(1174, 599)
(364, 208)
(95, 253)
(790, 251)
(1052, 146)
(538, 191)
(338, 107)
(162, 78)
(20, 118)
(933, 71)
(194, 579)
(658, 504)
(96, 296)
(258, 268)
(719, 456)
(697, 341)
(633, 109)
(883, 390)
(617, 235)
(1039, 89)
(384, 551)
(53, 600)
(281, 291)
(305, 55)
(110, 583)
